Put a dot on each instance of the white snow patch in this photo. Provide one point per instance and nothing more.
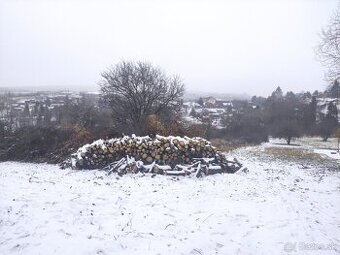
(45, 210)
(330, 153)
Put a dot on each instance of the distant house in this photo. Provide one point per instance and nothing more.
(216, 103)
(322, 107)
(209, 101)
(224, 104)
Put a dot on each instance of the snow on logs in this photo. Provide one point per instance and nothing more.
(160, 155)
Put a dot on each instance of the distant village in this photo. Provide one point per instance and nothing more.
(19, 110)
(217, 112)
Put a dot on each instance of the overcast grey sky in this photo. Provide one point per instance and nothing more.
(233, 46)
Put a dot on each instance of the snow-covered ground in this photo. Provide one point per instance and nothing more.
(287, 203)
(328, 153)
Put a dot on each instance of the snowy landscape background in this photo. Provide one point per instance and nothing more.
(287, 202)
(169, 127)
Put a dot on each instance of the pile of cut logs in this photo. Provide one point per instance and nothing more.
(169, 155)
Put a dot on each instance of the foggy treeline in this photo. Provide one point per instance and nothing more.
(282, 115)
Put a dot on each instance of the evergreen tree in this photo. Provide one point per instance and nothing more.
(26, 112)
(334, 90)
(2, 129)
(41, 115)
(310, 116)
(200, 101)
(329, 122)
(284, 115)
(277, 94)
(48, 102)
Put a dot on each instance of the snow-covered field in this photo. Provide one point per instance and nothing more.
(288, 202)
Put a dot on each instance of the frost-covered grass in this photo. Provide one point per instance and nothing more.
(289, 196)
(318, 143)
(308, 151)
(315, 142)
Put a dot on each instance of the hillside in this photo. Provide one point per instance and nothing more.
(288, 201)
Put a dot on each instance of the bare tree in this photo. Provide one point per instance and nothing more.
(328, 50)
(135, 90)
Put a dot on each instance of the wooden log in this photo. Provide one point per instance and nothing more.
(176, 173)
(165, 150)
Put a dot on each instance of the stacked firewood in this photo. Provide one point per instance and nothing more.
(162, 155)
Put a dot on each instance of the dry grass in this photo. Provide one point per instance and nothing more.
(302, 156)
(227, 145)
(292, 154)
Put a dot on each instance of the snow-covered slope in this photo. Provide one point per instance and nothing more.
(274, 208)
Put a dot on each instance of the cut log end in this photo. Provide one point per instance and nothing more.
(158, 155)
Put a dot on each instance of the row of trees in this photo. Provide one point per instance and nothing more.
(142, 96)
(136, 98)
(288, 116)
(143, 100)
(283, 116)
(53, 141)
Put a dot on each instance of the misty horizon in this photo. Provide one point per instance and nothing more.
(232, 47)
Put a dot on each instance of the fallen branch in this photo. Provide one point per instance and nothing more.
(199, 168)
